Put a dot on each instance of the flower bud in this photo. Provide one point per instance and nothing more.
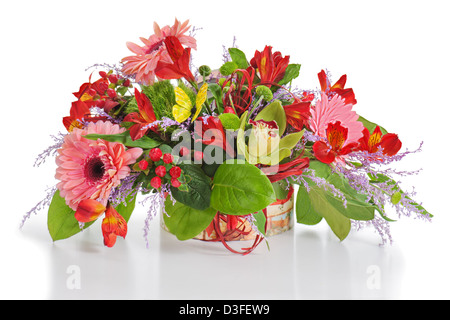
(204, 71)
(155, 154)
(155, 182)
(265, 92)
(160, 171)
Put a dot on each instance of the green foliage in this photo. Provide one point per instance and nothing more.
(370, 125)
(186, 222)
(240, 188)
(216, 91)
(162, 97)
(292, 72)
(145, 142)
(199, 188)
(238, 57)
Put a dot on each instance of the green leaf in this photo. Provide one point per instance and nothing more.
(198, 195)
(289, 141)
(260, 221)
(228, 68)
(240, 188)
(292, 72)
(127, 208)
(186, 222)
(145, 142)
(274, 111)
(303, 208)
(338, 222)
(370, 125)
(216, 91)
(238, 57)
(281, 190)
(61, 220)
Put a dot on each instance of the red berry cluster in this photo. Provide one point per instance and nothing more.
(163, 164)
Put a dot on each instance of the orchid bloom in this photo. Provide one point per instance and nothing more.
(144, 120)
(264, 138)
(271, 66)
(336, 144)
(389, 142)
(180, 57)
(113, 224)
(337, 88)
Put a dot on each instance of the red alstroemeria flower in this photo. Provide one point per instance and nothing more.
(94, 94)
(335, 146)
(113, 224)
(212, 133)
(389, 143)
(338, 88)
(271, 67)
(145, 118)
(181, 59)
(298, 113)
(279, 172)
(78, 112)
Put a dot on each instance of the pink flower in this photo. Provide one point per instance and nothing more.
(89, 169)
(143, 64)
(330, 111)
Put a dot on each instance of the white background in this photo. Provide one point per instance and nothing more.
(396, 55)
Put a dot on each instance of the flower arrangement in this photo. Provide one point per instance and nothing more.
(214, 149)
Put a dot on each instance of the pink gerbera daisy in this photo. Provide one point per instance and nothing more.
(330, 111)
(143, 64)
(89, 169)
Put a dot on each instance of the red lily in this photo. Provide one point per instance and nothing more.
(145, 118)
(271, 67)
(338, 88)
(298, 113)
(212, 133)
(390, 143)
(336, 146)
(113, 224)
(181, 59)
(281, 171)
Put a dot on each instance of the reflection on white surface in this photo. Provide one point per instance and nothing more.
(304, 263)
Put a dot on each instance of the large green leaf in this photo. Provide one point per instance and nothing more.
(292, 72)
(238, 57)
(216, 91)
(304, 210)
(333, 214)
(61, 220)
(241, 188)
(186, 222)
(198, 194)
(127, 208)
(124, 138)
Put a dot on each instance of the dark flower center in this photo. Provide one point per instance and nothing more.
(154, 47)
(94, 169)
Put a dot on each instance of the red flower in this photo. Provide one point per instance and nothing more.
(298, 113)
(95, 94)
(336, 146)
(78, 112)
(113, 225)
(181, 59)
(145, 118)
(338, 88)
(279, 172)
(271, 67)
(390, 143)
(212, 133)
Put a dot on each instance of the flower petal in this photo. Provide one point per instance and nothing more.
(89, 210)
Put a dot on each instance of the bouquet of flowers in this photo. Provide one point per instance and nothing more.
(213, 150)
